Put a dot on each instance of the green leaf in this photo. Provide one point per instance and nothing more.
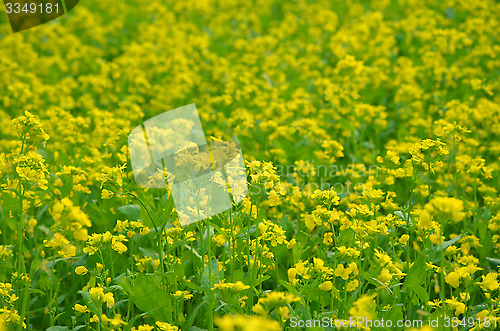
(289, 287)
(368, 278)
(205, 281)
(394, 314)
(261, 279)
(58, 328)
(416, 276)
(447, 244)
(130, 323)
(88, 301)
(190, 321)
(150, 298)
(132, 212)
(193, 286)
(495, 262)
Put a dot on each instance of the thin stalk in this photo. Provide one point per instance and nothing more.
(210, 280)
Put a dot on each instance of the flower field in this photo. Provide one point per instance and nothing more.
(371, 136)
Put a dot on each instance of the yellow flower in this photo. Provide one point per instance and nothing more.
(118, 246)
(239, 286)
(455, 304)
(81, 270)
(489, 282)
(352, 285)
(284, 312)
(354, 268)
(259, 309)
(109, 299)
(166, 327)
(105, 194)
(292, 274)
(97, 294)
(385, 276)
(144, 327)
(453, 278)
(326, 286)
(364, 307)
(115, 321)
(247, 323)
(81, 309)
(342, 272)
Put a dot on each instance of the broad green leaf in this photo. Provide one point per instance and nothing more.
(495, 262)
(58, 328)
(205, 281)
(88, 301)
(394, 314)
(132, 321)
(261, 279)
(416, 276)
(447, 244)
(193, 286)
(131, 212)
(150, 298)
(369, 278)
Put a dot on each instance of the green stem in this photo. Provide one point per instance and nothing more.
(210, 279)
(231, 247)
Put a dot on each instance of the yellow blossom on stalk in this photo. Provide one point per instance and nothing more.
(109, 299)
(354, 268)
(57, 240)
(259, 309)
(385, 276)
(219, 239)
(328, 238)
(105, 194)
(5, 251)
(184, 294)
(453, 279)
(115, 321)
(97, 294)
(31, 167)
(489, 282)
(247, 323)
(459, 307)
(144, 327)
(326, 286)
(364, 307)
(352, 285)
(274, 298)
(238, 286)
(166, 327)
(118, 246)
(81, 270)
(284, 313)
(445, 207)
(30, 126)
(80, 309)
(342, 272)
(292, 275)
